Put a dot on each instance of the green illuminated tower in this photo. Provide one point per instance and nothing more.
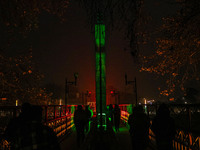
(100, 74)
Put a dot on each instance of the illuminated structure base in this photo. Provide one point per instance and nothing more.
(104, 125)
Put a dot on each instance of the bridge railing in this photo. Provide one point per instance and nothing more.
(187, 119)
(58, 117)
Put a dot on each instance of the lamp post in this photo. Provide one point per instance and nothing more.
(69, 83)
(134, 89)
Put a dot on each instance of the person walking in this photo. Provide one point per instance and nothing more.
(80, 120)
(163, 127)
(17, 122)
(117, 117)
(89, 116)
(139, 128)
(110, 114)
(31, 134)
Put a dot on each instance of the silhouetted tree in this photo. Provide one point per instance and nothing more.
(20, 80)
(23, 15)
(177, 54)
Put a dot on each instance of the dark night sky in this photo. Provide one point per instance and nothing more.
(60, 49)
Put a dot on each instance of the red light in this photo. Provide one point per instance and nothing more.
(90, 92)
(111, 92)
(3, 99)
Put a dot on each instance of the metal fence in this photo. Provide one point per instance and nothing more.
(58, 117)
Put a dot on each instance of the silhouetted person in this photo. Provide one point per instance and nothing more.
(89, 116)
(33, 135)
(80, 120)
(139, 128)
(110, 114)
(117, 116)
(164, 128)
(16, 122)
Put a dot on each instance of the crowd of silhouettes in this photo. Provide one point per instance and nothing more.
(27, 132)
(81, 121)
(163, 127)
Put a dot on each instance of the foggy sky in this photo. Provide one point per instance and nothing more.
(61, 49)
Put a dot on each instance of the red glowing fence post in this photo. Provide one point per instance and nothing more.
(65, 110)
(67, 114)
(60, 111)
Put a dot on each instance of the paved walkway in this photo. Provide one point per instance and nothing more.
(97, 141)
(123, 139)
(69, 143)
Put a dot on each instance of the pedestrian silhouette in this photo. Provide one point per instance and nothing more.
(31, 134)
(110, 114)
(163, 127)
(16, 122)
(139, 128)
(117, 116)
(89, 116)
(80, 120)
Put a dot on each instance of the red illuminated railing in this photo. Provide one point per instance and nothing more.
(126, 110)
(124, 116)
(58, 117)
(184, 139)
